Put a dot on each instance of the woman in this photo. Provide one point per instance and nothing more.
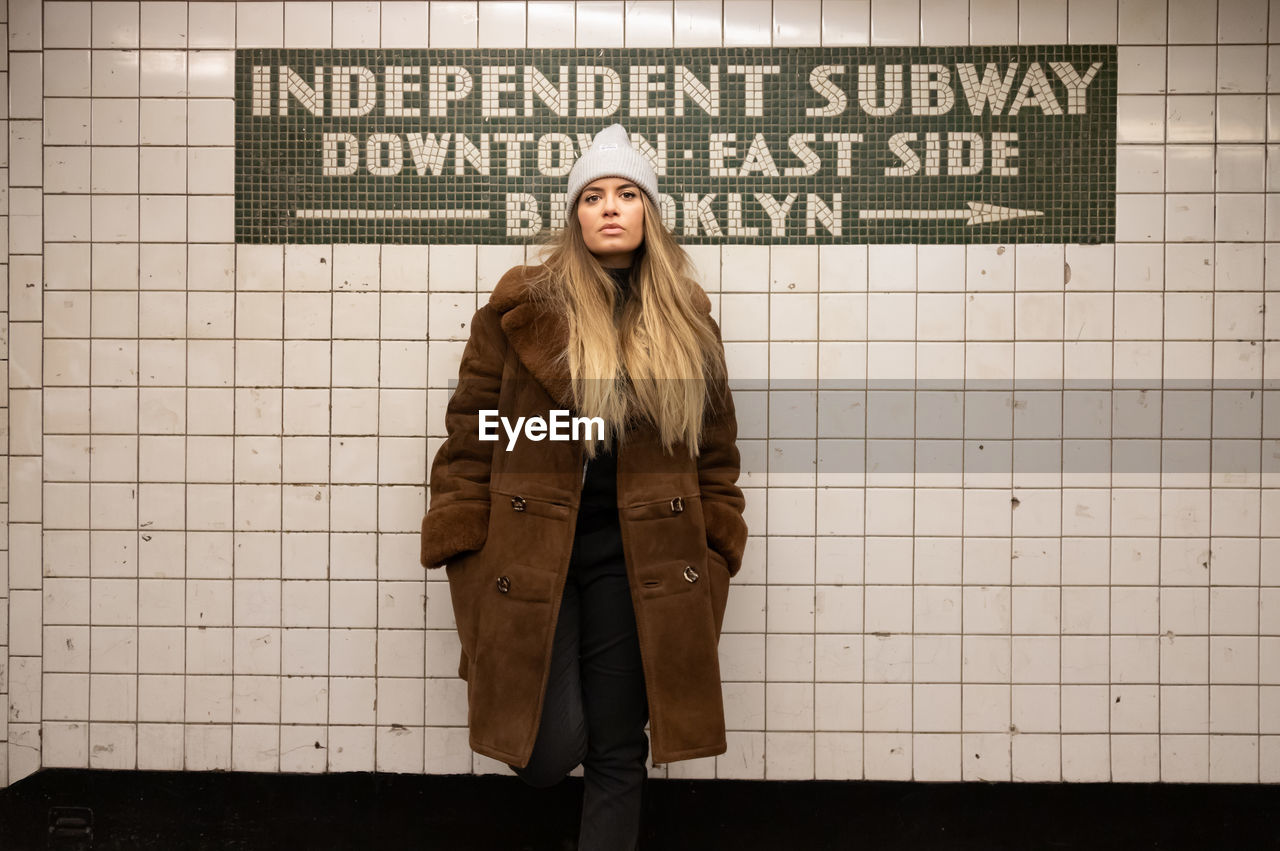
(589, 576)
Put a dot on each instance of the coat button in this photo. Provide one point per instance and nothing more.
(677, 505)
(517, 503)
(504, 584)
(690, 574)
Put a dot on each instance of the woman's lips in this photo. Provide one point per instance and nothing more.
(611, 229)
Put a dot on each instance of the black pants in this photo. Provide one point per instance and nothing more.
(596, 706)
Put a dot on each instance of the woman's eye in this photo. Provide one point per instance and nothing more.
(628, 194)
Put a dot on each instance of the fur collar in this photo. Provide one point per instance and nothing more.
(540, 336)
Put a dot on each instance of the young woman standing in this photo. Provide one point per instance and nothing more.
(589, 576)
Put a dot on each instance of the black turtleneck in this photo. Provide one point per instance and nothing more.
(621, 277)
(599, 506)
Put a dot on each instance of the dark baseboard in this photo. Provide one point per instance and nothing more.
(94, 809)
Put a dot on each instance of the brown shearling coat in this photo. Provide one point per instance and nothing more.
(503, 525)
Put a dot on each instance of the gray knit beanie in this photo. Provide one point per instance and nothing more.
(611, 155)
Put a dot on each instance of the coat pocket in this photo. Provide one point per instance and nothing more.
(677, 631)
(506, 682)
(521, 582)
(666, 578)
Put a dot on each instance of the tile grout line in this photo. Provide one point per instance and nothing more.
(89, 724)
(6, 425)
(1213, 363)
(279, 474)
(137, 424)
(1258, 709)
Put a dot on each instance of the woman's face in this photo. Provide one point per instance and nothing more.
(612, 217)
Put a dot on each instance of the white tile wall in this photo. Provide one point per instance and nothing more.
(600, 24)
(697, 23)
(648, 23)
(454, 23)
(216, 452)
(356, 24)
(550, 24)
(502, 24)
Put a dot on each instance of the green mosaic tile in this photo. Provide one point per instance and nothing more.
(763, 146)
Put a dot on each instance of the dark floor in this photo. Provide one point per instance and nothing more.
(225, 811)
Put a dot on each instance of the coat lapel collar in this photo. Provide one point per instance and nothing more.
(539, 335)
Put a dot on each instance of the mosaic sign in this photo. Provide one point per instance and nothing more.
(818, 145)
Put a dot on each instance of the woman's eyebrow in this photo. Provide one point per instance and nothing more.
(623, 186)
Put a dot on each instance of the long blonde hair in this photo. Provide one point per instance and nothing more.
(655, 357)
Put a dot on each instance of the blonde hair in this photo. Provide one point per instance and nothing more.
(655, 357)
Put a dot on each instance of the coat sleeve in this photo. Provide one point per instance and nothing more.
(719, 464)
(457, 517)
